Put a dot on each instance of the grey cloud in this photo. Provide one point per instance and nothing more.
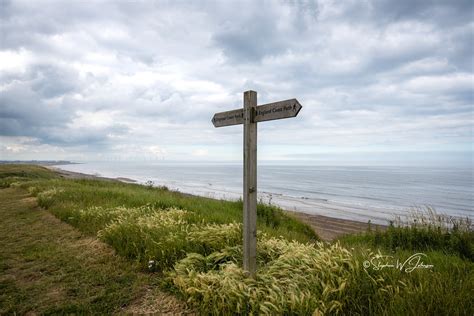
(92, 137)
(443, 13)
(24, 24)
(51, 81)
(196, 59)
(26, 113)
(248, 43)
(257, 34)
(460, 48)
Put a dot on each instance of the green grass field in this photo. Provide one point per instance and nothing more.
(48, 267)
(190, 247)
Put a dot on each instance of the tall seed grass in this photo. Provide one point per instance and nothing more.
(46, 197)
(159, 236)
(428, 218)
(423, 229)
(211, 237)
(162, 236)
(292, 278)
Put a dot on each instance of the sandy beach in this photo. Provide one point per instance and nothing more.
(328, 228)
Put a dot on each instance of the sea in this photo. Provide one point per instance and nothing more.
(362, 193)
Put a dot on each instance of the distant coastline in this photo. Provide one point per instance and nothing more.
(40, 162)
(328, 228)
(80, 175)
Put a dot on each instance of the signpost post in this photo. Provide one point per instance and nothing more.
(249, 116)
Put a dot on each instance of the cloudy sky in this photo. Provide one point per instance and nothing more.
(380, 81)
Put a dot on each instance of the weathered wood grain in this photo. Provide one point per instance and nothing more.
(250, 183)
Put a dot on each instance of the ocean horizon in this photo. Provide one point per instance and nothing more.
(361, 193)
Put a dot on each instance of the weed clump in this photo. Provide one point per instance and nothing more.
(159, 236)
(46, 198)
(424, 229)
(211, 237)
(293, 278)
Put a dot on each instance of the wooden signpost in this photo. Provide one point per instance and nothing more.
(249, 116)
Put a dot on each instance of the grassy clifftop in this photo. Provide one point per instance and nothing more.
(192, 246)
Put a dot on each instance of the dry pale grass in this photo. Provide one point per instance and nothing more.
(428, 217)
(155, 302)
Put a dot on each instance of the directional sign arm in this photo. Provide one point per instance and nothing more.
(278, 110)
(266, 112)
(228, 118)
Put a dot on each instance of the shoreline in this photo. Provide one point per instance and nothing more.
(79, 175)
(327, 228)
